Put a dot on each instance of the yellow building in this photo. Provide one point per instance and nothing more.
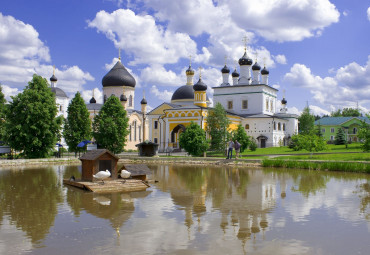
(189, 103)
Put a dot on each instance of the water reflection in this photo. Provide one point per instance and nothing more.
(191, 210)
(30, 199)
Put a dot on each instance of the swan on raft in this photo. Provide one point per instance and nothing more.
(125, 174)
(102, 175)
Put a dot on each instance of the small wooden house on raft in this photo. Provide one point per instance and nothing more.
(98, 160)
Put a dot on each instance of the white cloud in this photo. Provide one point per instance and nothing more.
(316, 110)
(348, 85)
(368, 13)
(157, 74)
(23, 54)
(140, 36)
(162, 95)
(281, 59)
(284, 20)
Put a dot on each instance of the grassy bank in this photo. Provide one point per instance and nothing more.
(332, 157)
(323, 166)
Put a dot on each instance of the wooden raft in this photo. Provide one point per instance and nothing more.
(118, 185)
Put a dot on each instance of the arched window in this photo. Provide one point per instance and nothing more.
(130, 138)
(279, 126)
(267, 104)
(284, 127)
(271, 106)
(246, 126)
(130, 101)
(135, 130)
(274, 125)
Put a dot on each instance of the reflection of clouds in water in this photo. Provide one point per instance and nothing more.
(285, 247)
(13, 240)
(338, 198)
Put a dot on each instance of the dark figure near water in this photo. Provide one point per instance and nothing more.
(230, 150)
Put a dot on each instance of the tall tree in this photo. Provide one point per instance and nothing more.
(77, 126)
(340, 137)
(217, 127)
(306, 121)
(364, 134)
(242, 137)
(2, 114)
(110, 126)
(31, 122)
(351, 112)
(193, 140)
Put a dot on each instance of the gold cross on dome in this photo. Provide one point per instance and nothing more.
(190, 60)
(245, 40)
(200, 72)
(225, 59)
(283, 93)
(264, 61)
(53, 69)
(119, 53)
(256, 56)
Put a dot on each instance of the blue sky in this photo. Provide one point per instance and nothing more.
(318, 51)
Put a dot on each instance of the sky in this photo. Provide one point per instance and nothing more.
(317, 51)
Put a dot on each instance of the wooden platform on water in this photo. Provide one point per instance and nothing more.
(118, 185)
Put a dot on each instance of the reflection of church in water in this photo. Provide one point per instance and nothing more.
(243, 197)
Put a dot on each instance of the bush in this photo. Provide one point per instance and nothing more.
(253, 145)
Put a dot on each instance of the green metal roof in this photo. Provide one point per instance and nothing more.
(335, 121)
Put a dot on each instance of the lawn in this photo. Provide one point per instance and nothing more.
(334, 157)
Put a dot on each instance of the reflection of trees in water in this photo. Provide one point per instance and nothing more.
(311, 182)
(30, 198)
(72, 171)
(364, 193)
(115, 207)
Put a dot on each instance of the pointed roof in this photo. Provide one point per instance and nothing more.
(95, 154)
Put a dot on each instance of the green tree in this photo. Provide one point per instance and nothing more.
(242, 137)
(193, 140)
(31, 123)
(318, 130)
(340, 137)
(253, 145)
(310, 142)
(337, 113)
(217, 127)
(110, 126)
(364, 135)
(351, 112)
(306, 121)
(2, 114)
(77, 126)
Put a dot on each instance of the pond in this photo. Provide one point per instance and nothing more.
(190, 210)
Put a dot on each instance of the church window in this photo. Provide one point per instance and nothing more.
(61, 108)
(139, 133)
(155, 124)
(135, 130)
(332, 130)
(284, 127)
(244, 104)
(267, 104)
(279, 126)
(130, 101)
(229, 105)
(246, 126)
(274, 125)
(271, 106)
(130, 137)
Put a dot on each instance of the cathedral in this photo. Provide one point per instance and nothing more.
(249, 101)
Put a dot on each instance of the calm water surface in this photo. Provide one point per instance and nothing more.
(190, 210)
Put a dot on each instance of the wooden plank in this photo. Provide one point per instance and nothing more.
(110, 185)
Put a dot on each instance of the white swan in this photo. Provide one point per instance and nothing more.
(125, 174)
(102, 175)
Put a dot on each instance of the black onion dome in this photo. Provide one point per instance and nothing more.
(53, 78)
(118, 76)
(245, 60)
(200, 86)
(235, 73)
(265, 71)
(123, 98)
(184, 92)
(225, 69)
(189, 71)
(58, 92)
(92, 100)
(284, 101)
(256, 67)
(143, 101)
